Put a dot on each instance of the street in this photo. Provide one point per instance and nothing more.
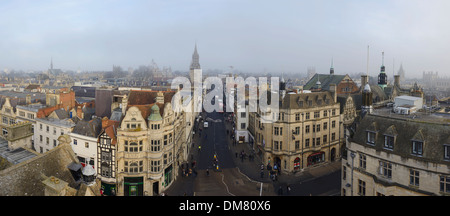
(235, 177)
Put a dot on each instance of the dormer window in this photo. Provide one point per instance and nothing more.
(389, 141)
(417, 148)
(447, 152)
(371, 137)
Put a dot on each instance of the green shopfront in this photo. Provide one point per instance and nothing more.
(133, 186)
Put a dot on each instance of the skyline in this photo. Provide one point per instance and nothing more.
(252, 37)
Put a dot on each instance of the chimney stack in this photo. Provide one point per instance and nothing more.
(364, 81)
(105, 122)
(333, 92)
(160, 97)
(28, 99)
(124, 104)
(397, 80)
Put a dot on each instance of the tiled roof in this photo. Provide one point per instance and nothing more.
(147, 97)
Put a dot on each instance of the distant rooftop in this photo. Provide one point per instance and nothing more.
(419, 116)
(57, 122)
(32, 107)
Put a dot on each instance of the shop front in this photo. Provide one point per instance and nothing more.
(168, 178)
(109, 189)
(133, 186)
(316, 158)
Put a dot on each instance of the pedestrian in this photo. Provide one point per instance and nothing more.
(288, 189)
(280, 191)
(262, 174)
(262, 167)
(207, 172)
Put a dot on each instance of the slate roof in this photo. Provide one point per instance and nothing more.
(357, 100)
(61, 113)
(84, 91)
(293, 101)
(434, 136)
(325, 79)
(90, 128)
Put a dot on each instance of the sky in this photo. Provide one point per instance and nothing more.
(250, 35)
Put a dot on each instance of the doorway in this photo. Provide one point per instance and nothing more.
(155, 188)
(333, 154)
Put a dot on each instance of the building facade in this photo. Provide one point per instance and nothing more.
(308, 131)
(84, 137)
(48, 130)
(151, 143)
(393, 156)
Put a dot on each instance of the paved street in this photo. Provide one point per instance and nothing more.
(237, 177)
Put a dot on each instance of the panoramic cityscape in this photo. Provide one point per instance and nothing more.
(200, 99)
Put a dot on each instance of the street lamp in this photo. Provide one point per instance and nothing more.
(353, 157)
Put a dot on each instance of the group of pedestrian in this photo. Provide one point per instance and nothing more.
(288, 190)
(188, 171)
(273, 171)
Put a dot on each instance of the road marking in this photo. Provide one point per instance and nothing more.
(260, 190)
(226, 185)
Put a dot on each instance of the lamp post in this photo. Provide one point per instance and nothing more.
(353, 157)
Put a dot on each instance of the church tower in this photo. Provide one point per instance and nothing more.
(195, 65)
(196, 77)
(382, 77)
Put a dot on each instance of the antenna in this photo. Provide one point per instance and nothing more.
(367, 72)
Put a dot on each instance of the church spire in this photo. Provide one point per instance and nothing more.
(51, 63)
(195, 64)
(332, 68)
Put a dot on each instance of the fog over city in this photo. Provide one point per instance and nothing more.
(251, 36)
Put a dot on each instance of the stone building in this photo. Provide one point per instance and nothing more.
(394, 155)
(308, 131)
(151, 143)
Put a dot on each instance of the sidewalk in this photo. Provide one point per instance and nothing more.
(252, 169)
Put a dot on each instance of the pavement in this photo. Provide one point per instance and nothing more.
(242, 177)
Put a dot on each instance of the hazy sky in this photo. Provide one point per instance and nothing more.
(252, 35)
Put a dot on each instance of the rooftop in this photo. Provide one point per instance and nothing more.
(32, 107)
(57, 122)
(16, 156)
(419, 116)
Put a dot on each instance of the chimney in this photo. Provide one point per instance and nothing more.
(80, 112)
(364, 81)
(28, 99)
(124, 104)
(333, 92)
(105, 122)
(397, 80)
(55, 186)
(160, 97)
